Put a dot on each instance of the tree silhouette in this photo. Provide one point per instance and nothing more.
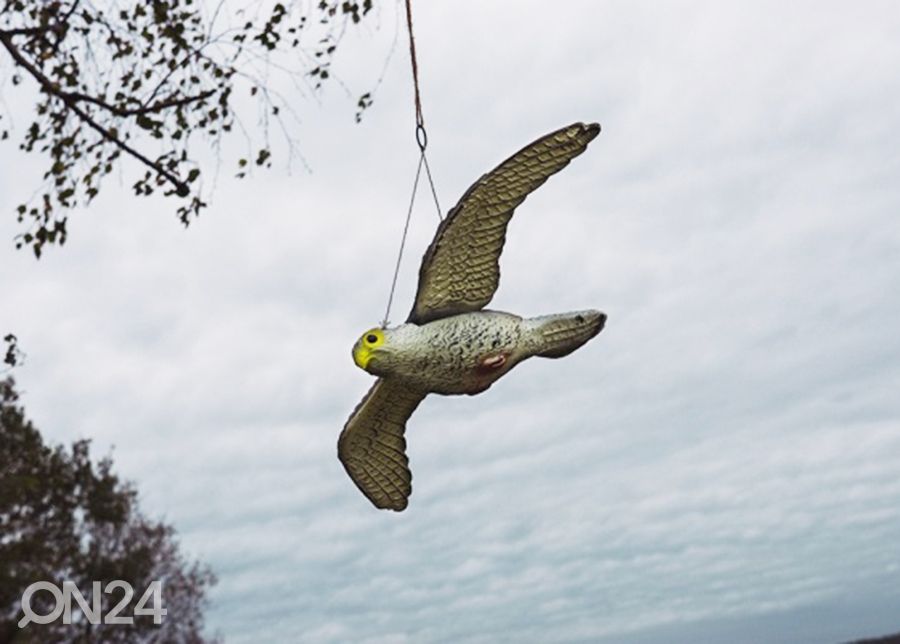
(155, 82)
(64, 519)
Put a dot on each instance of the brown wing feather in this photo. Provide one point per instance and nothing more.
(372, 447)
(460, 270)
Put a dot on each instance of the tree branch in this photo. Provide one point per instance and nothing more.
(172, 101)
(25, 31)
(181, 188)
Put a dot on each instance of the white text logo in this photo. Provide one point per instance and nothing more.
(63, 603)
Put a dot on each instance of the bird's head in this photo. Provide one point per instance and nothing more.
(369, 349)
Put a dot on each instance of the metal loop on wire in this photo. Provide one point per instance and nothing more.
(421, 136)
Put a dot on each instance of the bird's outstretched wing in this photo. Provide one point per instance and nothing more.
(372, 447)
(460, 270)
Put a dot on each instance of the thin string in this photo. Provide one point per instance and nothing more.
(437, 206)
(422, 142)
(412, 200)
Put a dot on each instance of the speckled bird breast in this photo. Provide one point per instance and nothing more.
(448, 356)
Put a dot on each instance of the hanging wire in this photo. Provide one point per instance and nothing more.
(422, 142)
(437, 206)
(412, 200)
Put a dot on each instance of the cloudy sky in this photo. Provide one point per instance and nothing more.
(721, 464)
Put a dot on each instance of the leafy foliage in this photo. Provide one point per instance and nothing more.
(120, 79)
(63, 518)
(13, 355)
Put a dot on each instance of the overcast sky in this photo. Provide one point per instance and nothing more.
(722, 463)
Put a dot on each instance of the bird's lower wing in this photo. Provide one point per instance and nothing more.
(372, 447)
(460, 270)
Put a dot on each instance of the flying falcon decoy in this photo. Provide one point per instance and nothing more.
(450, 345)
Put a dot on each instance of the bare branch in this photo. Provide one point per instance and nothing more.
(25, 31)
(159, 106)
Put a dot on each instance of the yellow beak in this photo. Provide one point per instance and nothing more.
(361, 355)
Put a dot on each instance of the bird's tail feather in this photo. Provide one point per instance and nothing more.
(559, 335)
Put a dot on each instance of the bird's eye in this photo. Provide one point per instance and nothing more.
(371, 338)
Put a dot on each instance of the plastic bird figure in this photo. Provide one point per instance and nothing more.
(449, 344)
